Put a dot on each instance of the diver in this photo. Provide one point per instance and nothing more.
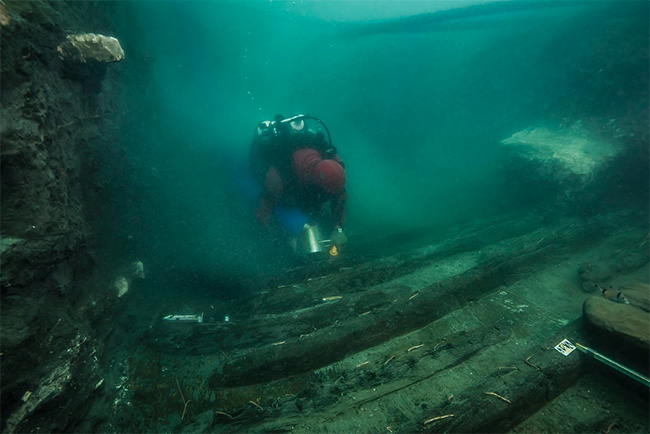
(300, 171)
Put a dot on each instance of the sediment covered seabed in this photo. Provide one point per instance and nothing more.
(456, 336)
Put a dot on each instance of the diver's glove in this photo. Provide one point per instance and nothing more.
(338, 238)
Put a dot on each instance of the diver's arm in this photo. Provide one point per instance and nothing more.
(271, 194)
(337, 205)
(337, 237)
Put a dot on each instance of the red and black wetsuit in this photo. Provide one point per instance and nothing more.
(283, 164)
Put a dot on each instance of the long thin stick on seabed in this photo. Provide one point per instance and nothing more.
(184, 401)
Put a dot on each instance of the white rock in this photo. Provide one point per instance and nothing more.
(121, 285)
(570, 157)
(137, 270)
(89, 46)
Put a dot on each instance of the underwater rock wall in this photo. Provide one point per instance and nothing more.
(54, 117)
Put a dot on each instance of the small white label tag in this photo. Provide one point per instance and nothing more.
(565, 347)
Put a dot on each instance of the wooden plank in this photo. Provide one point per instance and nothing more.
(322, 347)
(547, 374)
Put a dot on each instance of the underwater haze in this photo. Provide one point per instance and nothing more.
(157, 275)
(416, 94)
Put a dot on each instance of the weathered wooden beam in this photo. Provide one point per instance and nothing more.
(483, 408)
(494, 403)
(293, 355)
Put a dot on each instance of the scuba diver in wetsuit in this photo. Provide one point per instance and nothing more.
(300, 171)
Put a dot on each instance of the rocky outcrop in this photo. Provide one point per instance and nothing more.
(88, 47)
(54, 312)
(566, 160)
(123, 282)
(85, 57)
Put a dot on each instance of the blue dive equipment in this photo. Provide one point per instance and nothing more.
(291, 218)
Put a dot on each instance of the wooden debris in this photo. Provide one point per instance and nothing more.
(514, 368)
(263, 365)
(363, 364)
(185, 409)
(415, 347)
(223, 414)
(414, 295)
(185, 403)
(531, 365)
(332, 298)
(439, 343)
(311, 279)
(499, 396)
(389, 359)
(609, 428)
(256, 404)
(278, 343)
(433, 419)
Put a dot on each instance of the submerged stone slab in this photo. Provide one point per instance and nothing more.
(569, 157)
(86, 47)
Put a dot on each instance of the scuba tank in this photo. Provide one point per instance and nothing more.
(280, 128)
